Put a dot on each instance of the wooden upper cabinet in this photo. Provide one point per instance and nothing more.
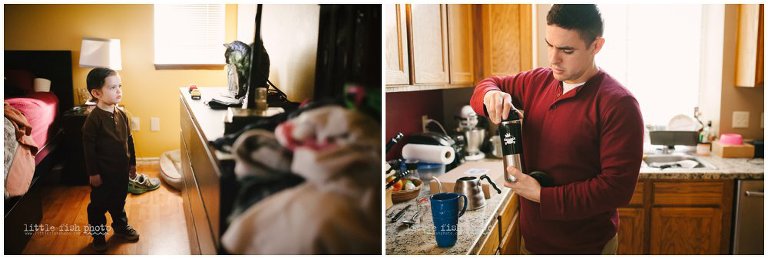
(749, 51)
(432, 47)
(397, 61)
(460, 44)
(507, 40)
(429, 42)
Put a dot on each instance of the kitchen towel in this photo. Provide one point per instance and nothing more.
(429, 153)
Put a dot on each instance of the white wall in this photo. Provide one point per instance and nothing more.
(713, 18)
(290, 36)
(540, 27)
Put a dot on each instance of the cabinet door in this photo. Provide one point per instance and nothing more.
(685, 230)
(506, 39)
(430, 44)
(631, 231)
(396, 45)
(510, 242)
(460, 41)
(490, 244)
(749, 52)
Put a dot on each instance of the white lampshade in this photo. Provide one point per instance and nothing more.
(96, 52)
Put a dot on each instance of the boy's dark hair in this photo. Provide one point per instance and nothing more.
(95, 78)
(584, 18)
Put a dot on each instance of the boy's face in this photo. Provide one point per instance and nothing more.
(111, 92)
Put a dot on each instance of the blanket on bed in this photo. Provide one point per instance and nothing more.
(19, 153)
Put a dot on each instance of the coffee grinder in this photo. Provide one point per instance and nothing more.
(511, 134)
(473, 135)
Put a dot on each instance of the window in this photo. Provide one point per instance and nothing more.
(190, 34)
(656, 52)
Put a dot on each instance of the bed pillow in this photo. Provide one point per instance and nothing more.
(19, 81)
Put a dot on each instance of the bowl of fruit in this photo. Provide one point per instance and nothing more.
(405, 189)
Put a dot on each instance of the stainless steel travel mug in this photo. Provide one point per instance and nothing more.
(510, 132)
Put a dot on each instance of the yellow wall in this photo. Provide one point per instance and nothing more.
(147, 92)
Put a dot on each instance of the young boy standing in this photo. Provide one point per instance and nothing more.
(110, 158)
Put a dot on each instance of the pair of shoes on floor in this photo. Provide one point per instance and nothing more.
(99, 243)
(127, 233)
(142, 183)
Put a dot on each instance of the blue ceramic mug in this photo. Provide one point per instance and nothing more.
(445, 215)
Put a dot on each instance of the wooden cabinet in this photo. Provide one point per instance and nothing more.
(429, 44)
(503, 236)
(510, 227)
(691, 217)
(460, 44)
(750, 43)
(397, 61)
(209, 186)
(507, 40)
(631, 231)
(677, 217)
(490, 245)
(452, 46)
(686, 230)
(632, 223)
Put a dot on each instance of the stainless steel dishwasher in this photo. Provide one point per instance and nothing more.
(748, 221)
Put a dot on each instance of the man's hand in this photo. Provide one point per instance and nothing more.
(132, 172)
(95, 180)
(498, 104)
(526, 186)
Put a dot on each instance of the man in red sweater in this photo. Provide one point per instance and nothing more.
(581, 127)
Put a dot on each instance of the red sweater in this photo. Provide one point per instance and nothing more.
(590, 141)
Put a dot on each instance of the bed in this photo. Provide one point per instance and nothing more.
(42, 110)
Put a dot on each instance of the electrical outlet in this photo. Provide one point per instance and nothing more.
(135, 123)
(740, 120)
(154, 124)
(424, 122)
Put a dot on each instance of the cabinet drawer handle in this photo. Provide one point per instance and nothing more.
(754, 193)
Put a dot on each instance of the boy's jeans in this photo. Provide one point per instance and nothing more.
(109, 197)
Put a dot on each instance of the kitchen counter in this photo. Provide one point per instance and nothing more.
(474, 225)
(727, 168)
(420, 238)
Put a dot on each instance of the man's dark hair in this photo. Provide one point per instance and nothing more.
(584, 18)
(95, 78)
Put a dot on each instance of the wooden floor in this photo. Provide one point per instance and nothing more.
(158, 216)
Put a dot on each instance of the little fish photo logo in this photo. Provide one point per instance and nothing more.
(65, 229)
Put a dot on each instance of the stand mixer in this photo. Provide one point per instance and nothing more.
(474, 136)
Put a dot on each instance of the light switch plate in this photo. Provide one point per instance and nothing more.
(154, 124)
(135, 123)
(740, 120)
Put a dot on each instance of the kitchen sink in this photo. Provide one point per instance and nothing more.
(675, 161)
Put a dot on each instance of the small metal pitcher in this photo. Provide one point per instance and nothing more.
(471, 187)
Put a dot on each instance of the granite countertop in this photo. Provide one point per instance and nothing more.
(420, 238)
(725, 168)
(473, 225)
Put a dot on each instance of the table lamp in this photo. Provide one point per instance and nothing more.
(95, 52)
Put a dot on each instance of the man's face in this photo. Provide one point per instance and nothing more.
(569, 56)
(111, 92)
